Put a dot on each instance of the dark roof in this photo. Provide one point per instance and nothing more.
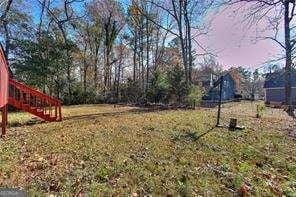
(277, 80)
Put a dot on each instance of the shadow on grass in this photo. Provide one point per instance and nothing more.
(31, 121)
(140, 110)
(191, 136)
(114, 114)
(36, 120)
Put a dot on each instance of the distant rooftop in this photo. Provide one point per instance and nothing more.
(277, 80)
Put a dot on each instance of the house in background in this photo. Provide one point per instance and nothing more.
(206, 81)
(205, 77)
(236, 76)
(229, 90)
(274, 87)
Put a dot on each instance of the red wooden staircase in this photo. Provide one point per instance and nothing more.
(33, 101)
(24, 97)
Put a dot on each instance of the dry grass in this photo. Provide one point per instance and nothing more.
(102, 150)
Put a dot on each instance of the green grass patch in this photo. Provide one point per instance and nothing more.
(102, 150)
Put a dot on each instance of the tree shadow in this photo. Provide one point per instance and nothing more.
(32, 121)
(114, 114)
(139, 110)
(191, 136)
(209, 105)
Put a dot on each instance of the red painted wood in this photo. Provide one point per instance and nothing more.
(4, 120)
(4, 76)
(25, 98)
(33, 101)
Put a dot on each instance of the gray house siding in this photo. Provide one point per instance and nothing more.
(278, 95)
(274, 86)
(228, 90)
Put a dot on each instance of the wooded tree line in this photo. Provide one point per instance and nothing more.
(104, 50)
(118, 51)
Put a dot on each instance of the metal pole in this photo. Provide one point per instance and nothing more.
(220, 102)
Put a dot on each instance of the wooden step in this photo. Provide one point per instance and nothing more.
(30, 105)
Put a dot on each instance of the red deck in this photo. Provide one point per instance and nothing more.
(25, 98)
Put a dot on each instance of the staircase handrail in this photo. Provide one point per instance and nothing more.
(34, 91)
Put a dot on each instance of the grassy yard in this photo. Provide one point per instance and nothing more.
(104, 150)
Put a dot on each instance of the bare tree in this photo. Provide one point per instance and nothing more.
(4, 25)
(185, 15)
(111, 16)
(145, 36)
(63, 18)
(275, 12)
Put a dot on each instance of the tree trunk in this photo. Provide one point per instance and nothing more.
(96, 67)
(179, 18)
(106, 70)
(288, 87)
(156, 54)
(41, 18)
(118, 80)
(69, 83)
(142, 57)
(147, 54)
(139, 54)
(189, 44)
(85, 66)
(135, 56)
